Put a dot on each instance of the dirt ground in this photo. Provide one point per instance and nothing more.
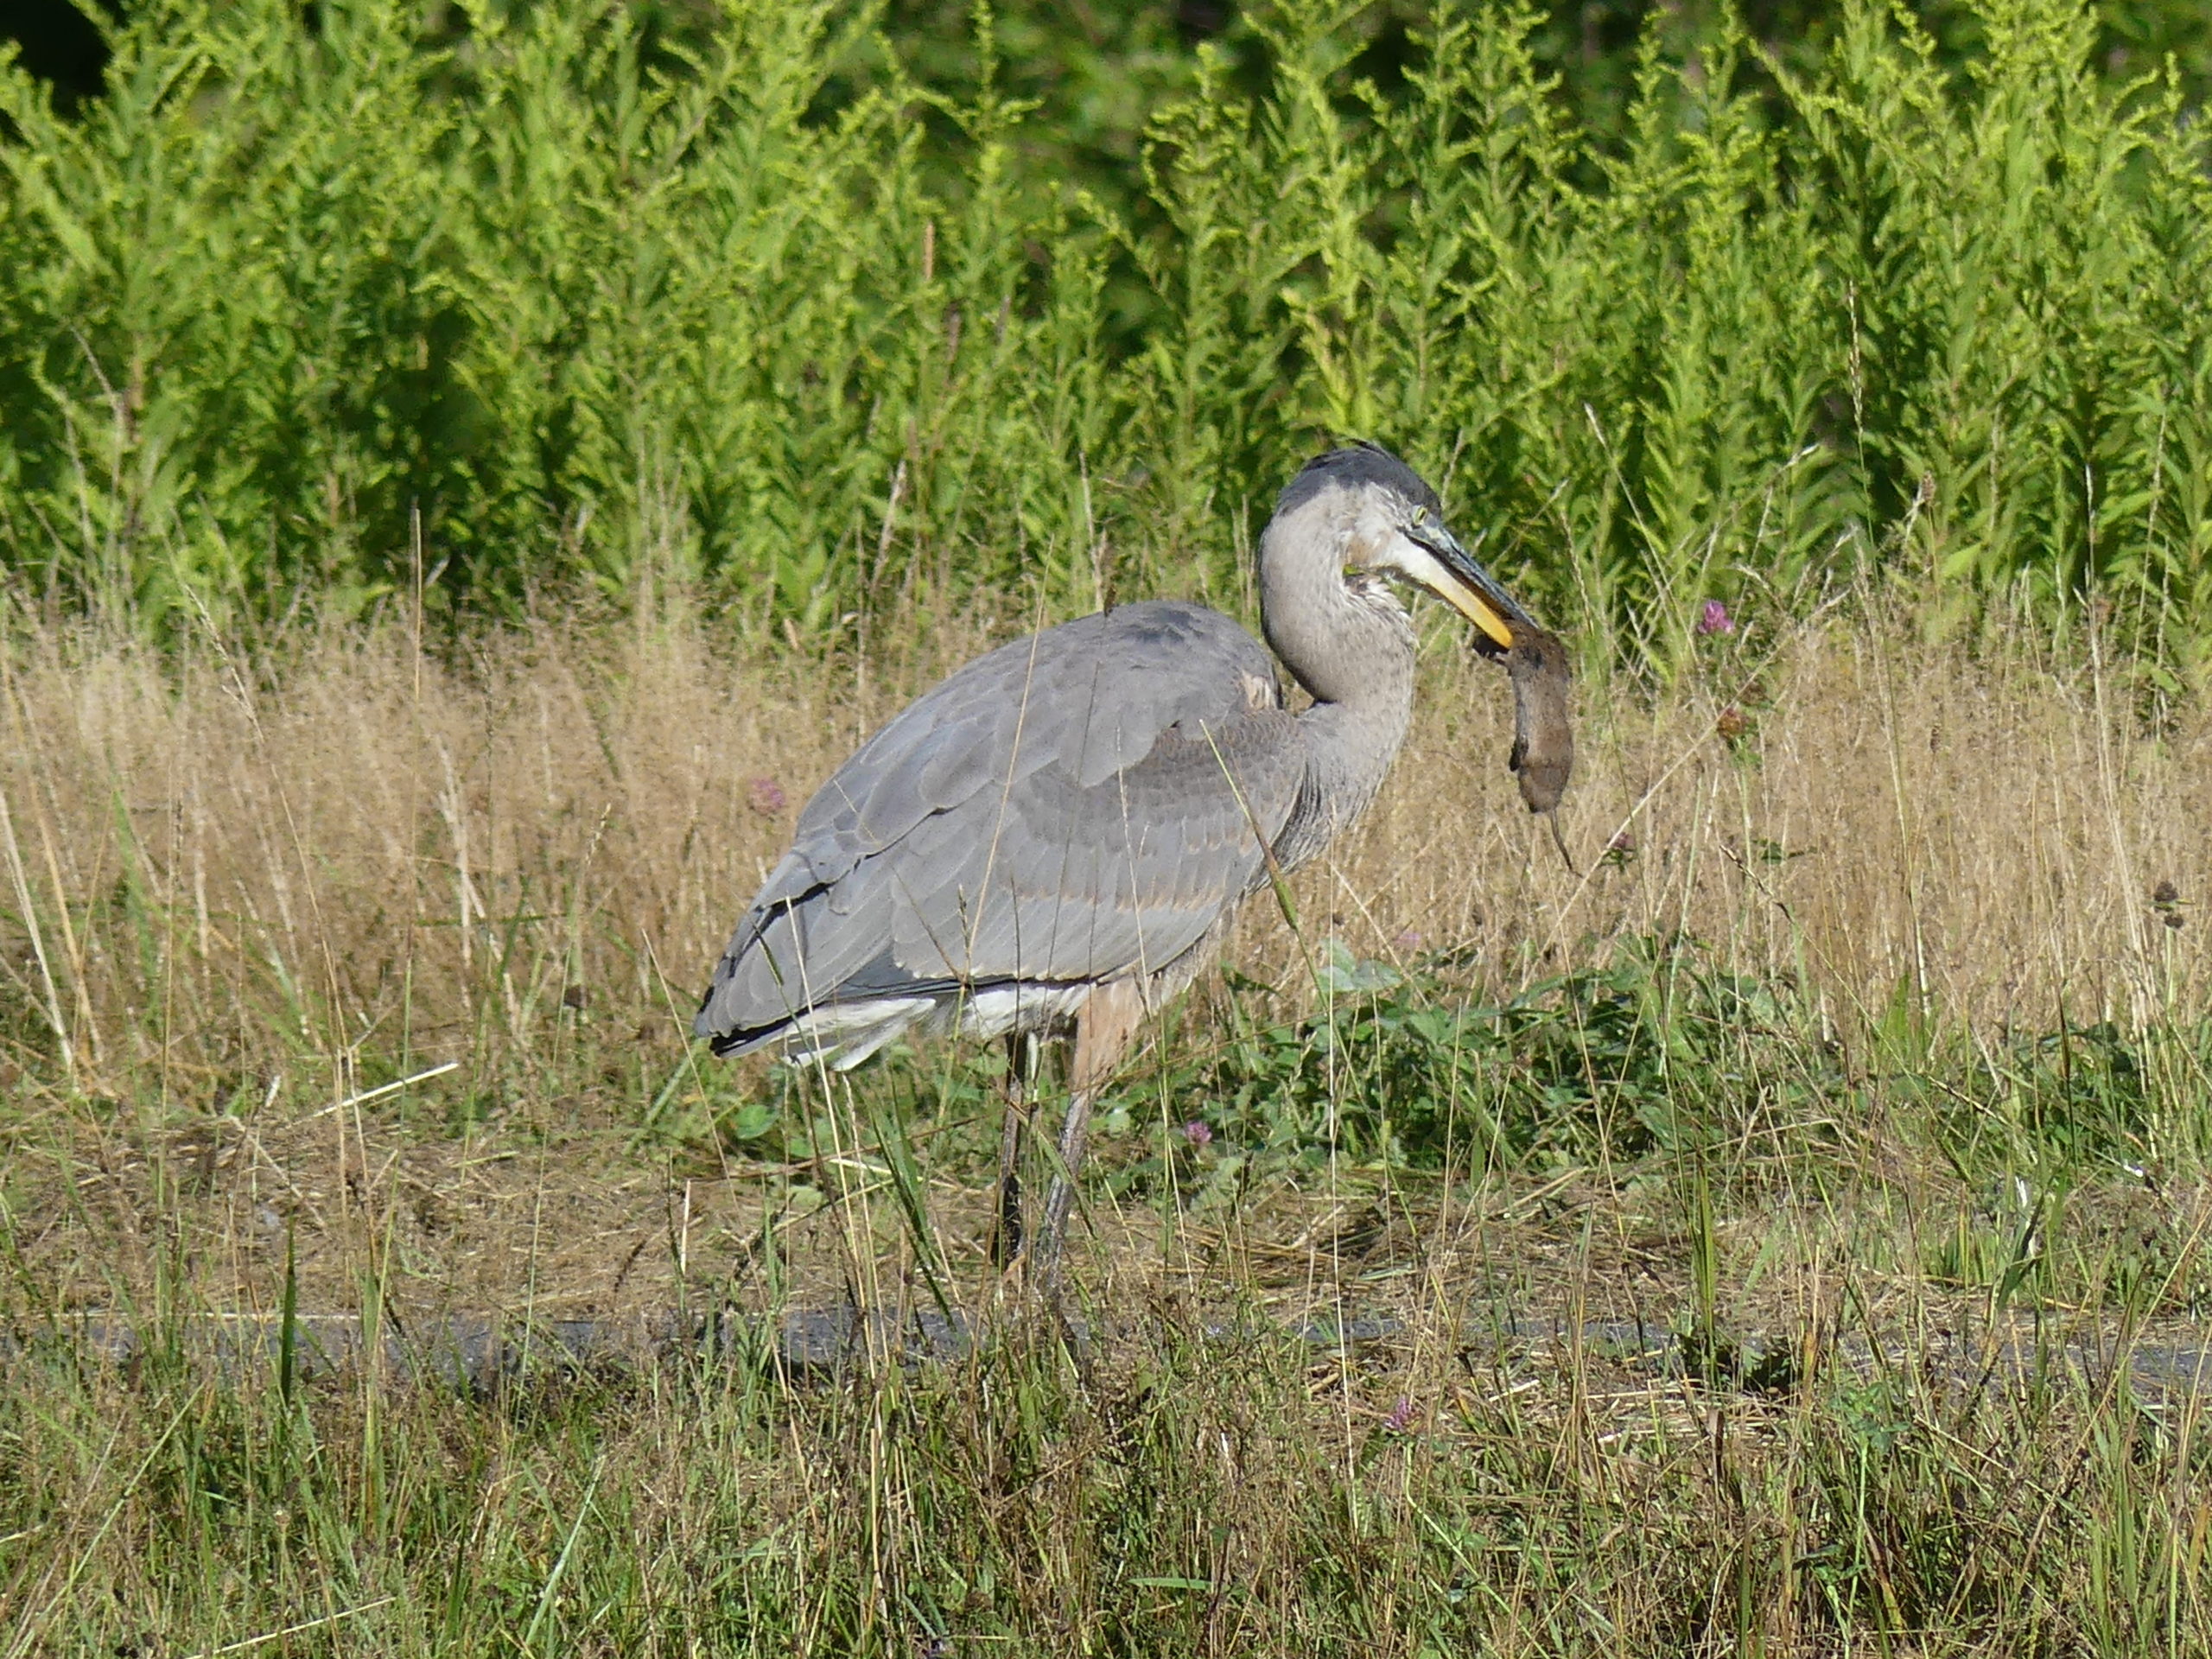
(579, 1224)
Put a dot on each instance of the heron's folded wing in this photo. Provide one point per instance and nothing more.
(1045, 881)
(949, 846)
(1089, 697)
(1066, 882)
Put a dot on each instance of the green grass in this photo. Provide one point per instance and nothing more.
(1913, 1230)
(1190, 1497)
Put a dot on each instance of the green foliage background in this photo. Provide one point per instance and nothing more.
(816, 307)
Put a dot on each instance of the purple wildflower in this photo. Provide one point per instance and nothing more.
(764, 796)
(1716, 619)
(1198, 1133)
(1400, 1414)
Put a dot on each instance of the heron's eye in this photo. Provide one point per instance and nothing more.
(1421, 517)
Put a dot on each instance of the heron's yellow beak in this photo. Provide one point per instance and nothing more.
(1478, 611)
(1460, 582)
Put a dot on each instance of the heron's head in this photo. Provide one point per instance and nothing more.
(1378, 518)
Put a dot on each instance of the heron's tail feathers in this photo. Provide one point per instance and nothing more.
(838, 1035)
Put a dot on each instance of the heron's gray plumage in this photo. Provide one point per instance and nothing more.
(1063, 809)
(1358, 467)
(1089, 804)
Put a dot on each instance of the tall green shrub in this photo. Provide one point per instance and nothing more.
(598, 312)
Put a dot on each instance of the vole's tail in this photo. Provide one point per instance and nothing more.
(1559, 841)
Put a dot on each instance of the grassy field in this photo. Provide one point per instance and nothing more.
(1868, 1056)
(468, 473)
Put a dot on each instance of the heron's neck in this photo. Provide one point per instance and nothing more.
(1353, 651)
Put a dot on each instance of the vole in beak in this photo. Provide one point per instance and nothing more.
(1543, 742)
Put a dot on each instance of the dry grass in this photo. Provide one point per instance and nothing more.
(262, 889)
(352, 857)
(269, 887)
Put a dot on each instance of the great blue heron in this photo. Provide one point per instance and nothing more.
(1055, 838)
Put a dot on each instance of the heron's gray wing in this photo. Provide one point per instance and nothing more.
(1068, 882)
(1073, 804)
(1090, 696)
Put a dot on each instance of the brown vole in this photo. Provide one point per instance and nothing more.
(1543, 742)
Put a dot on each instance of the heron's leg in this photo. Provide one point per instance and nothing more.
(1021, 1070)
(1102, 1029)
(1059, 1198)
